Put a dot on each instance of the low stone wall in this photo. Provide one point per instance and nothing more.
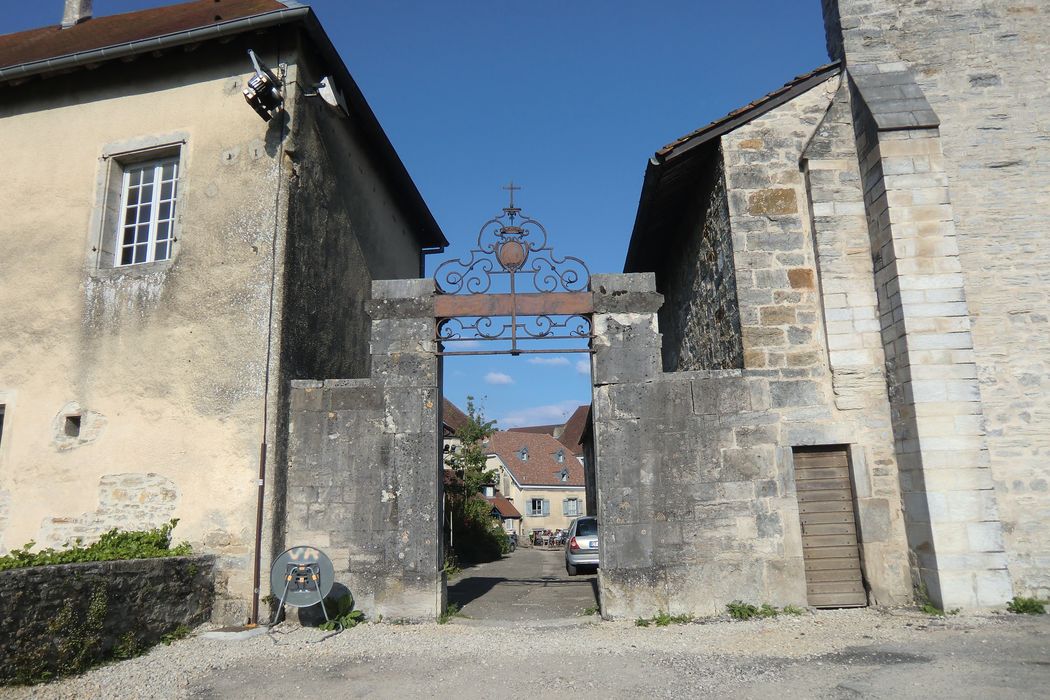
(60, 619)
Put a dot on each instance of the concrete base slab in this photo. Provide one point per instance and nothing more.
(235, 634)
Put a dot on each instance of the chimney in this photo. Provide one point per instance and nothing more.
(77, 11)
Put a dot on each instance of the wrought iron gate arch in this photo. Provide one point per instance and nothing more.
(512, 288)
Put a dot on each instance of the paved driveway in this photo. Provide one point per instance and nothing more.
(528, 585)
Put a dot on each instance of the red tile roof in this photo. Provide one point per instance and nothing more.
(504, 506)
(452, 416)
(100, 32)
(572, 434)
(544, 429)
(541, 468)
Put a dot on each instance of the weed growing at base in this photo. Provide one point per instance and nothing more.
(451, 611)
(1026, 606)
(662, 619)
(739, 610)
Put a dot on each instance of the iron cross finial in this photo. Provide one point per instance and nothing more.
(511, 188)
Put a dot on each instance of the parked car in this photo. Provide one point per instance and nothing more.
(581, 546)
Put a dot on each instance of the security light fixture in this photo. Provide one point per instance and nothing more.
(263, 92)
(328, 92)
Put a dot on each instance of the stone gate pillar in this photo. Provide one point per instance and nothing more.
(365, 462)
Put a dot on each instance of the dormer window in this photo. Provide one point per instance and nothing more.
(559, 456)
(564, 474)
(523, 454)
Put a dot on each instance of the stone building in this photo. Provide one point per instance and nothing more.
(171, 261)
(854, 324)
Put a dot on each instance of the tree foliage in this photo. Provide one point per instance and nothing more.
(475, 536)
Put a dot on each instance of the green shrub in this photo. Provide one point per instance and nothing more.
(662, 619)
(792, 610)
(113, 545)
(1026, 606)
(739, 610)
(341, 613)
(767, 610)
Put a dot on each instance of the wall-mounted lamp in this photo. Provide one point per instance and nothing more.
(263, 92)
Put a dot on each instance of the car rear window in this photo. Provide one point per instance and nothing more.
(585, 528)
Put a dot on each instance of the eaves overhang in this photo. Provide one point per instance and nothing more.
(427, 231)
(685, 154)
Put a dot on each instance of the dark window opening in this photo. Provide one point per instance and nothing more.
(72, 426)
(2, 407)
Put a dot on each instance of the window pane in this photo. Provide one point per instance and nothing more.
(129, 215)
(169, 170)
(163, 231)
(148, 175)
(167, 190)
(587, 527)
(146, 194)
(164, 212)
(142, 234)
(162, 251)
(129, 235)
(134, 176)
(144, 213)
(125, 256)
(141, 253)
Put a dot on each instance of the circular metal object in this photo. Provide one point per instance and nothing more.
(303, 575)
(511, 255)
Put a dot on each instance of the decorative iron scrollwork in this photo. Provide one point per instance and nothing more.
(544, 326)
(512, 288)
(514, 246)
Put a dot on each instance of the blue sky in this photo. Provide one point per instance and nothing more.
(568, 99)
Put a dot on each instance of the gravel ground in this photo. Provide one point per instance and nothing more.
(843, 653)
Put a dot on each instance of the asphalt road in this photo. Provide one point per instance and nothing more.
(528, 585)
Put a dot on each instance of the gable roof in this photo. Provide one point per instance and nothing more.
(572, 434)
(49, 50)
(503, 506)
(38, 45)
(452, 416)
(671, 173)
(541, 468)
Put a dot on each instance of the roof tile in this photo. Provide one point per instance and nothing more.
(541, 468)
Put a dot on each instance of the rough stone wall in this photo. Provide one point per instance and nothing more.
(364, 464)
(701, 319)
(694, 475)
(981, 65)
(143, 598)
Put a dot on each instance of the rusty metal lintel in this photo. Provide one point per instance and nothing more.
(515, 352)
(541, 304)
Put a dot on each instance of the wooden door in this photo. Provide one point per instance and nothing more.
(829, 528)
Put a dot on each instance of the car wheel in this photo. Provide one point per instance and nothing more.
(570, 569)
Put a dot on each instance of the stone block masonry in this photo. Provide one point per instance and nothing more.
(45, 610)
(694, 475)
(364, 463)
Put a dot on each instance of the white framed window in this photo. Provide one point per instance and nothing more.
(149, 193)
(539, 507)
(136, 218)
(570, 507)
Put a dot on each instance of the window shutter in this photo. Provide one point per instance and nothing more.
(546, 507)
(565, 507)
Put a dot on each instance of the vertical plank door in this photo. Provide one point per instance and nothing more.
(829, 528)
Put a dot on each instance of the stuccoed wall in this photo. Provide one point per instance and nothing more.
(982, 66)
(44, 610)
(166, 363)
(700, 320)
(364, 465)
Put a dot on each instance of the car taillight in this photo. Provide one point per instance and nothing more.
(573, 546)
